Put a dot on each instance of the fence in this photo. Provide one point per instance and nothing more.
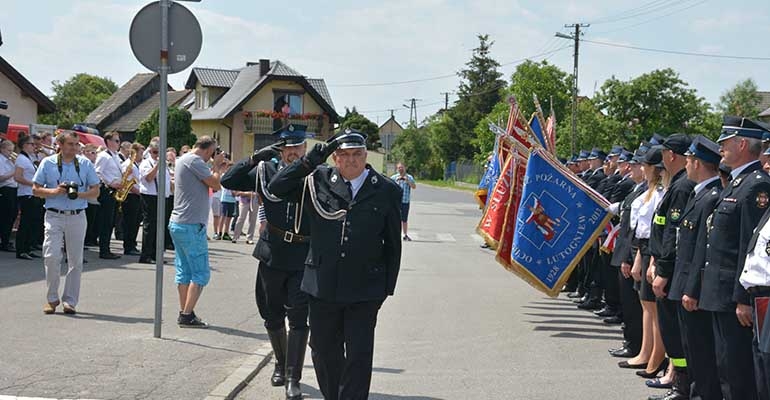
(464, 171)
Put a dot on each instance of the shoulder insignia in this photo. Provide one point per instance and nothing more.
(762, 200)
(758, 175)
(334, 178)
(714, 192)
(737, 181)
(730, 200)
(374, 179)
(675, 214)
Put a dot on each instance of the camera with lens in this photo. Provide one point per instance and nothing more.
(72, 189)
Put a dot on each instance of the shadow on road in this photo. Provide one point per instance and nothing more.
(113, 318)
(313, 393)
(562, 317)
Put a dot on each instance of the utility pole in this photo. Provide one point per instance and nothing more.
(412, 110)
(576, 38)
(446, 100)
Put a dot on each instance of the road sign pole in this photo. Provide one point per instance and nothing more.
(160, 232)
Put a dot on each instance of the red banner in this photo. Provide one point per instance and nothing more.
(505, 245)
(491, 225)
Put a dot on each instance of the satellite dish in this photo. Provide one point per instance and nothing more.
(184, 37)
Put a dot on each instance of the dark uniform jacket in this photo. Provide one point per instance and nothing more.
(623, 242)
(664, 223)
(691, 242)
(730, 228)
(280, 246)
(355, 252)
(621, 188)
(595, 178)
(607, 185)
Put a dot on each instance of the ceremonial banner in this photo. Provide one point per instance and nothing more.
(490, 176)
(550, 130)
(491, 225)
(537, 130)
(558, 220)
(504, 247)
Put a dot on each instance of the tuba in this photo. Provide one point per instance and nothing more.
(125, 183)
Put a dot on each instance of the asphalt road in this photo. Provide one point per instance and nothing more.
(461, 327)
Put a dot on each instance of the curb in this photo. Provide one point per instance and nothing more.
(235, 382)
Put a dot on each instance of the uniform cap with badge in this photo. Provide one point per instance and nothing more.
(704, 149)
(293, 134)
(349, 139)
(738, 126)
(597, 153)
(625, 156)
(583, 155)
(638, 156)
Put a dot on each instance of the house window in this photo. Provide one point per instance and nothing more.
(202, 98)
(292, 100)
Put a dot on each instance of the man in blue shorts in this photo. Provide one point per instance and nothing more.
(406, 183)
(188, 225)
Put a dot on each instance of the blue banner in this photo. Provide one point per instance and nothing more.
(559, 218)
(534, 123)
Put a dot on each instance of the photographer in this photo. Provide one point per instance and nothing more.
(65, 181)
(406, 183)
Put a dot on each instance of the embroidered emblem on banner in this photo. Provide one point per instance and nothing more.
(543, 222)
(763, 200)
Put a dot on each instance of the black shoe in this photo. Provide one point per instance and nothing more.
(132, 253)
(34, 255)
(190, 321)
(626, 365)
(88, 244)
(649, 375)
(613, 320)
(278, 342)
(581, 299)
(574, 295)
(146, 260)
(624, 353)
(170, 247)
(485, 246)
(24, 256)
(590, 305)
(9, 247)
(109, 256)
(625, 344)
(607, 311)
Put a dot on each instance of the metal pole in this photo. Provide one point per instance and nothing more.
(575, 89)
(160, 233)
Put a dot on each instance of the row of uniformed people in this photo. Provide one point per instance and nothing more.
(699, 256)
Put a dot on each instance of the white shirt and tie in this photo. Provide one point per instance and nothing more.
(108, 167)
(151, 187)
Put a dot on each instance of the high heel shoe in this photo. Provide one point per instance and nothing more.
(649, 375)
(625, 364)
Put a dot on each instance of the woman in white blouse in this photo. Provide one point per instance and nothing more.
(652, 353)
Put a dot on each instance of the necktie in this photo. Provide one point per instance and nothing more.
(350, 189)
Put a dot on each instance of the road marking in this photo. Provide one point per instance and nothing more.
(445, 237)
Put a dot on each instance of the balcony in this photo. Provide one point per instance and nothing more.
(265, 123)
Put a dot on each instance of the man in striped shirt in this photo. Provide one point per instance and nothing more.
(406, 183)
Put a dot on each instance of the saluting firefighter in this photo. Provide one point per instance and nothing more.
(281, 250)
(730, 228)
(695, 325)
(354, 257)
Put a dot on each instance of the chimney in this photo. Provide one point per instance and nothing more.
(264, 67)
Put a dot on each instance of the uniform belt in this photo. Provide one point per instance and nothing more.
(289, 237)
(65, 212)
(759, 290)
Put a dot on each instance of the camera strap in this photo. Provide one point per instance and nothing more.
(60, 167)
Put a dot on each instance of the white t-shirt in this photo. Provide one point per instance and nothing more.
(28, 172)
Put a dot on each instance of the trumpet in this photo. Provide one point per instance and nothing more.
(13, 156)
(45, 146)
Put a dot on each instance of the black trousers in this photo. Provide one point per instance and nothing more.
(761, 351)
(735, 360)
(342, 343)
(632, 312)
(279, 296)
(9, 209)
(132, 211)
(592, 277)
(105, 218)
(29, 223)
(668, 319)
(149, 225)
(610, 281)
(169, 243)
(698, 341)
(92, 230)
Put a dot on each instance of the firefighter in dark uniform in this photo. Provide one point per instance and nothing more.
(755, 278)
(592, 260)
(666, 219)
(695, 325)
(354, 257)
(622, 258)
(281, 250)
(576, 280)
(730, 228)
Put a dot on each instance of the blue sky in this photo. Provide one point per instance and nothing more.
(351, 42)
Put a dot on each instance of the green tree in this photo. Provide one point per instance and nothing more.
(481, 88)
(655, 102)
(741, 100)
(594, 129)
(544, 80)
(352, 119)
(179, 128)
(76, 98)
(414, 148)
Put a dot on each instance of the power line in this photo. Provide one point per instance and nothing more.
(633, 14)
(433, 78)
(683, 53)
(626, 12)
(652, 19)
